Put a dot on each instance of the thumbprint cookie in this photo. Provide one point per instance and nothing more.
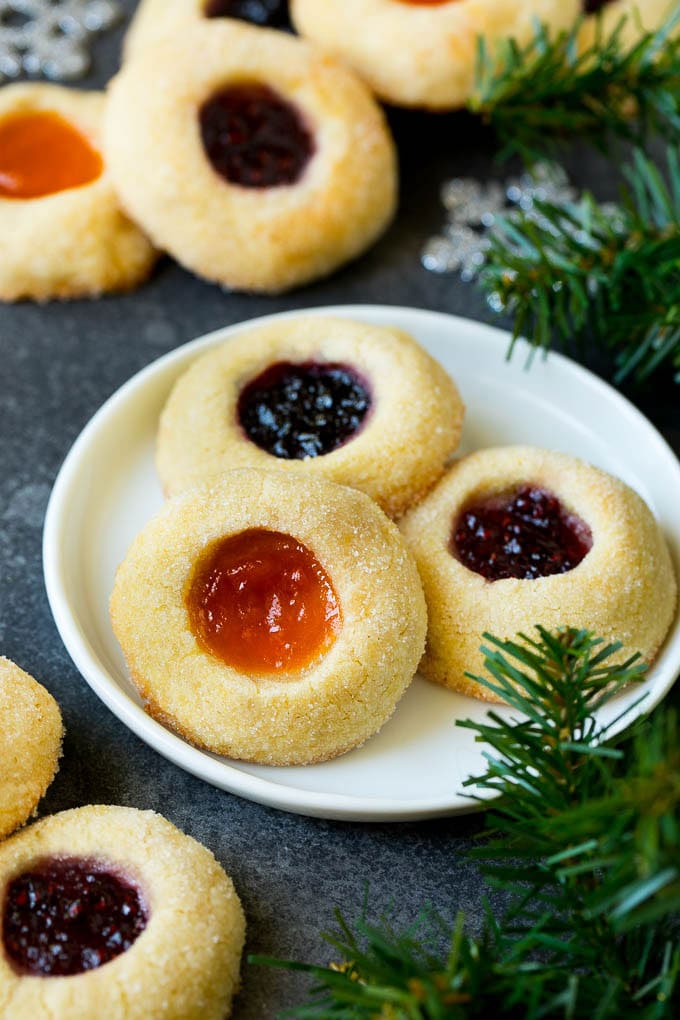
(31, 732)
(62, 232)
(423, 52)
(517, 536)
(605, 16)
(161, 19)
(256, 161)
(270, 617)
(113, 913)
(362, 405)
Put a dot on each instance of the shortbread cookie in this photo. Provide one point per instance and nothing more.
(254, 160)
(113, 913)
(164, 19)
(362, 405)
(270, 617)
(62, 233)
(423, 53)
(30, 744)
(606, 15)
(518, 536)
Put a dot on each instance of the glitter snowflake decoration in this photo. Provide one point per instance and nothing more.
(472, 210)
(50, 38)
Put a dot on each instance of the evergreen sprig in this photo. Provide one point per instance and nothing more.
(554, 89)
(585, 273)
(585, 842)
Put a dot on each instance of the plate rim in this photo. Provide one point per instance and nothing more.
(200, 763)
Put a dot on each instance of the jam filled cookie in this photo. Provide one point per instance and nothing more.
(62, 233)
(422, 52)
(113, 913)
(362, 405)
(163, 19)
(517, 536)
(30, 744)
(254, 160)
(606, 15)
(270, 617)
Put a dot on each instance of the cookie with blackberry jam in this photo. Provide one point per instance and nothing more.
(362, 405)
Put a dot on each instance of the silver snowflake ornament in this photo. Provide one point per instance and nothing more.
(473, 208)
(50, 38)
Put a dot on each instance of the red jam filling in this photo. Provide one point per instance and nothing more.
(66, 916)
(303, 410)
(271, 13)
(41, 154)
(525, 534)
(255, 138)
(262, 603)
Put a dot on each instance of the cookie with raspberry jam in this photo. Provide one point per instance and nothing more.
(518, 536)
(113, 913)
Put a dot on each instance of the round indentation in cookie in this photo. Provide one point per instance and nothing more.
(254, 137)
(271, 13)
(41, 153)
(526, 533)
(593, 6)
(309, 409)
(262, 603)
(65, 916)
(622, 588)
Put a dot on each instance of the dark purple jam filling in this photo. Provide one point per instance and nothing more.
(255, 138)
(593, 6)
(66, 916)
(525, 534)
(305, 410)
(270, 13)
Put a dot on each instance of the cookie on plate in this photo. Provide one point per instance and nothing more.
(62, 232)
(270, 617)
(422, 52)
(162, 19)
(362, 405)
(31, 732)
(257, 161)
(518, 536)
(113, 913)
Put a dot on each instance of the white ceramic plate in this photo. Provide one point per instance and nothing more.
(415, 767)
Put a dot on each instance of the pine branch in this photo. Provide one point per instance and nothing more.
(586, 274)
(586, 840)
(538, 96)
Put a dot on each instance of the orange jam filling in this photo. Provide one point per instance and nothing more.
(262, 603)
(41, 154)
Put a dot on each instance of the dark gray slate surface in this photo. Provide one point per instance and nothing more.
(58, 364)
